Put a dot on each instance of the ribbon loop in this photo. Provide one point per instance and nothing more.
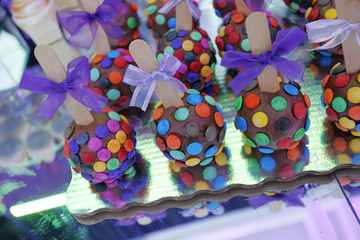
(83, 25)
(146, 82)
(77, 76)
(286, 41)
(194, 10)
(334, 31)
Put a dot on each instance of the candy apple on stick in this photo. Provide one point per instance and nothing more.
(189, 127)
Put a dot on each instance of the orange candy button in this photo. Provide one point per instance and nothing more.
(325, 81)
(219, 119)
(157, 114)
(113, 145)
(238, 18)
(97, 59)
(129, 145)
(328, 96)
(173, 142)
(338, 125)
(252, 100)
(339, 144)
(202, 110)
(293, 145)
(307, 101)
(293, 154)
(120, 136)
(115, 77)
(354, 112)
(67, 150)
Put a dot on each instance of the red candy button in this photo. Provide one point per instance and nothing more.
(179, 54)
(126, 128)
(234, 38)
(252, 100)
(299, 110)
(187, 178)
(284, 143)
(332, 114)
(195, 66)
(122, 154)
(341, 81)
(160, 143)
(198, 49)
(120, 62)
(229, 29)
(88, 158)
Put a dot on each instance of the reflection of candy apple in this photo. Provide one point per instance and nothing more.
(99, 145)
(188, 129)
(341, 94)
(223, 7)
(272, 116)
(193, 48)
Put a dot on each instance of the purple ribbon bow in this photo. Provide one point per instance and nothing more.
(286, 41)
(146, 82)
(336, 30)
(195, 11)
(83, 25)
(290, 199)
(78, 75)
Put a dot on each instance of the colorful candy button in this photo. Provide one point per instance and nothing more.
(94, 74)
(104, 155)
(113, 126)
(113, 164)
(339, 104)
(192, 162)
(194, 148)
(99, 166)
(173, 142)
(210, 133)
(129, 145)
(211, 151)
(194, 99)
(113, 145)
(94, 144)
(299, 134)
(278, 103)
(347, 123)
(163, 127)
(187, 178)
(69, 131)
(252, 100)
(181, 114)
(210, 100)
(74, 147)
(202, 110)
(328, 96)
(176, 154)
(354, 94)
(88, 158)
(333, 116)
(219, 119)
(191, 130)
(341, 81)
(260, 119)
(354, 112)
(291, 90)
(238, 103)
(268, 163)
(115, 77)
(120, 136)
(242, 124)
(262, 139)
(101, 131)
(188, 45)
(284, 143)
(299, 110)
(158, 114)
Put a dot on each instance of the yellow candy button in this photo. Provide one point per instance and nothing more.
(120, 136)
(205, 71)
(113, 145)
(175, 167)
(347, 123)
(158, 105)
(269, 193)
(188, 45)
(355, 145)
(151, 1)
(201, 185)
(335, 66)
(247, 149)
(331, 13)
(355, 133)
(354, 95)
(221, 159)
(358, 78)
(343, 158)
(260, 119)
(124, 119)
(222, 32)
(308, 11)
(99, 166)
(204, 58)
(192, 162)
(219, 150)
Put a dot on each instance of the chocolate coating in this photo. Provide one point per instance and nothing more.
(129, 23)
(342, 99)
(185, 138)
(223, 7)
(195, 50)
(272, 121)
(233, 36)
(109, 82)
(101, 159)
(161, 23)
(324, 9)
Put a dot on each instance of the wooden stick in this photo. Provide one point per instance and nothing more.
(241, 7)
(101, 41)
(55, 71)
(183, 17)
(259, 37)
(146, 60)
(349, 10)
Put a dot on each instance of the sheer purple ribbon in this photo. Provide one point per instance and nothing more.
(195, 11)
(290, 199)
(83, 25)
(78, 75)
(336, 30)
(146, 82)
(253, 5)
(286, 41)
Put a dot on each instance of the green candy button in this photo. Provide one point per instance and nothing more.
(151, 9)
(114, 116)
(131, 22)
(169, 50)
(178, 155)
(160, 19)
(113, 94)
(206, 161)
(278, 103)
(262, 139)
(196, 36)
(113, 164)
(159, 56)
(209, 173)
(245, 44)
(339, 104)
(181, 114)
(299, 134)
(250, 142)
(238, 103)
(210, 100)
(193, 91)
